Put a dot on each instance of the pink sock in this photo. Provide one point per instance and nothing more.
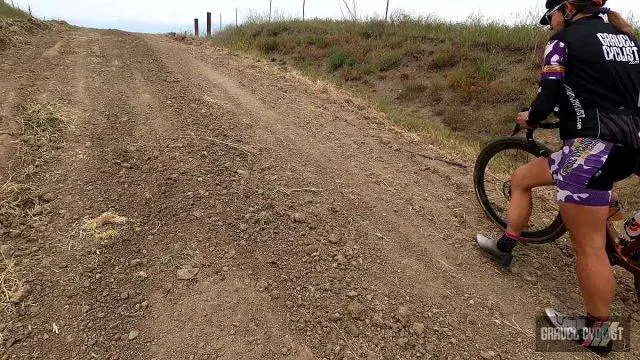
(512, 236)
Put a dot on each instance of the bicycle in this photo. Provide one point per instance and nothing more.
(493, 169)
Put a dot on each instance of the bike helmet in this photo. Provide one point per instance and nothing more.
(553, 5)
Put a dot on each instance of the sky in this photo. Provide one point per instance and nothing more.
(172, 15)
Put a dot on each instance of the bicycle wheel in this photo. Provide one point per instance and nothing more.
(492, 180)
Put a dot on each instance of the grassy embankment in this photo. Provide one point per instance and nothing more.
(9, 12)
(15, 26)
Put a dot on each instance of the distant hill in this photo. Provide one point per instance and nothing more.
(134, 26)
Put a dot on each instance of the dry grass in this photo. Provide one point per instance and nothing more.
(108, 218)
(15, 201)
(9, 12)
(10, 283)
(179, 257)
(39, 131)
(42, 121)
(414, 91)
(100, 230)
(448, 56)
(627, 191)
(18, 31)
(474, 75)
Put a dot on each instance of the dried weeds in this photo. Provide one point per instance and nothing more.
(10, 284)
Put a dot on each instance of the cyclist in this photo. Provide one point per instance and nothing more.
(591, 76)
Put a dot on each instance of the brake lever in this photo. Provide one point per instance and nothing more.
(516, 130)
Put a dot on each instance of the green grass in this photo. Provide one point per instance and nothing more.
(9, 12)
(340, 59)
(391, 60)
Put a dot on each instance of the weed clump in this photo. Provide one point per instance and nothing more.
(413, 91)
(340, 59)
(446, 57)
(391, 61)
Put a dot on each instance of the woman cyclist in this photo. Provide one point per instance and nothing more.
(591, 74)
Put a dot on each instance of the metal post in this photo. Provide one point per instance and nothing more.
(208, 24)
(304, 2)
(236, 17)
(386, 14)
(270, 7)
(196, 29)
(220, 21)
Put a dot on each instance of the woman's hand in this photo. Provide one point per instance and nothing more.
(522, 119)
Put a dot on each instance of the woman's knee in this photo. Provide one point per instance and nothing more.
(520, 179)
(588, 248)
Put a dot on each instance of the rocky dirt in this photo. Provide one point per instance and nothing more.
(252, 214)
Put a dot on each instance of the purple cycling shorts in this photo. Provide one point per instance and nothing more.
(573, 167)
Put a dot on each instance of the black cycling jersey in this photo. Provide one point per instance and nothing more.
(591, 72)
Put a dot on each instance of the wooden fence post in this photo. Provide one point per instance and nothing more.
(236, 17)
(208, 24)
(196, 29)
(270, 7)
(386, 14)
(220, 21)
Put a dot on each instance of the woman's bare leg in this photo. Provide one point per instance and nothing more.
(535, 173)
(587, 227)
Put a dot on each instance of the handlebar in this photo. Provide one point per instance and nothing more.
(530, 131)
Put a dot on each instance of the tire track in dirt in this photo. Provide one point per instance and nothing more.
(229, 300)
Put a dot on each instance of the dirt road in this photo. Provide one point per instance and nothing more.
(268, 216)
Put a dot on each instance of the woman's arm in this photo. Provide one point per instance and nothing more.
(551, 83)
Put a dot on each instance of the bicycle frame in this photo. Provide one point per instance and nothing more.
(620, 255)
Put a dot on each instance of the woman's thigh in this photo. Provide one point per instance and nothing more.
(587, 227)
(535, 173)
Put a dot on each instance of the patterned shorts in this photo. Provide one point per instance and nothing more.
(576, 168)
